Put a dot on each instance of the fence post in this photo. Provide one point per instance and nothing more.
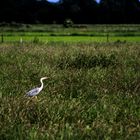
(21, 40)
(107, 39)
(2, 38)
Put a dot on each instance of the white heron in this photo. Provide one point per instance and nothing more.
(37, 90)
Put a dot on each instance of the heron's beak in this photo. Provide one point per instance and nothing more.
(45, 77)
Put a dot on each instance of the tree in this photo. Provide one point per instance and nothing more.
(119, 11)
(80, 11)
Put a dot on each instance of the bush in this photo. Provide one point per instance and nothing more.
(68, 23)
(85, 61)
(4, 24)
(36, 40)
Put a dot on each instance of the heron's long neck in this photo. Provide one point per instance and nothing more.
(41, 87)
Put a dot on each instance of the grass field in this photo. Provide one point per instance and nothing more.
(69, 39)
(92, 91)
(83, 33)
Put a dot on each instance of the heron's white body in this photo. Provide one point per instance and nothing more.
(37, 90)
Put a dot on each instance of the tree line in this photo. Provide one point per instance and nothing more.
(78, 11)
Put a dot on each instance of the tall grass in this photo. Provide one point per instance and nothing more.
(92, 93)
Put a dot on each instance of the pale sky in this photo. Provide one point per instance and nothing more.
(98, 1)
(55, 1)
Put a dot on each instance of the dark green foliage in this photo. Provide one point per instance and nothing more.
(84, 61)
(79, 11)
(68, 23)
(36, 40)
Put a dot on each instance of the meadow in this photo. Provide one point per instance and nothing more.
(78, 33)
(92, 91)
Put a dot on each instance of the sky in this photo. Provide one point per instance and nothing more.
(55, 1)
(98, 1)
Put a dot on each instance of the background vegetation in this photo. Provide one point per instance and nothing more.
(78, 11)
(123, 33)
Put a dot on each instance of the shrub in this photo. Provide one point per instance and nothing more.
(36, 40)
(68, 23)
(87, 61)
(3, 24)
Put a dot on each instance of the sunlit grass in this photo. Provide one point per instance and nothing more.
(57, 33)
(70, 39)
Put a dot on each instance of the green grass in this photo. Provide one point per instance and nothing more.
(69, 39)
(85, 33)
(55, 28)
(92, 93)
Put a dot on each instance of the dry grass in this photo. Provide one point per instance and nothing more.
(93, 91)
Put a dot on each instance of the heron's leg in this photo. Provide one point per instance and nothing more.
(33, 98)
(36, 97)
(27, 102)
